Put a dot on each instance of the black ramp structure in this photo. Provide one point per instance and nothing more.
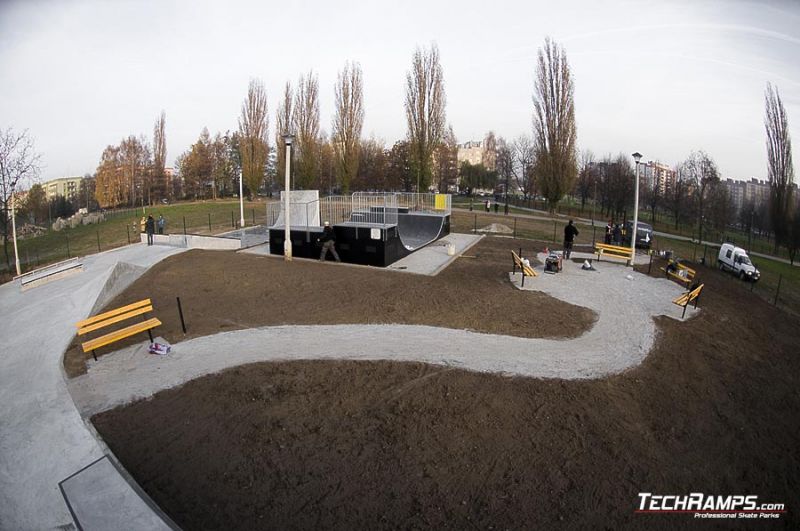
(418, 229)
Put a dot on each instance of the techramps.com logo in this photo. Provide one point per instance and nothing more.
(736, 506)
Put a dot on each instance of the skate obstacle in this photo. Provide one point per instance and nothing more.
(374, 229)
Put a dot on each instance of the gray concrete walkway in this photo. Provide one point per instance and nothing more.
(624, 333)
(43, 439)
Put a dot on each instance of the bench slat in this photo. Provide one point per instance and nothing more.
(120, 334)
(112, 313)
(115, 319)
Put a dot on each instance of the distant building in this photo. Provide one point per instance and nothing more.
(471, 152)
(658, 176)
(67, 187)
(743, 193)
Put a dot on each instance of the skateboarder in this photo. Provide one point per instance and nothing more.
(328, 240)
(569, 237)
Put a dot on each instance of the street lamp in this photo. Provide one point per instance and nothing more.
(637, 157)
(14, 229)
(241, 201)
(287, 239)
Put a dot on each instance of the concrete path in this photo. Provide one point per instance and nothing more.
(43, 439)
(621, 338)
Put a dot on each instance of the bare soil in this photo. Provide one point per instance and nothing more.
(382, 445)
(222, 291)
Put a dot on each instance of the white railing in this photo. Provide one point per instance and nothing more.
(374, 208)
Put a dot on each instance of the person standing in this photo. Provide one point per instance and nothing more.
(609, 231)
(150, 228)
(570, 231)
(617, 234)
(328, 240)
(161, 223)
(488, 206)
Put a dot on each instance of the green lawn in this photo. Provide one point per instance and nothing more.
(120, 228)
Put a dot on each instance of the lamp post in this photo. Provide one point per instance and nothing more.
(241, 200)
(287, 239)
(14, 230)
(637, 157)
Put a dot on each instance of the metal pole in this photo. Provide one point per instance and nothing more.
(128, 230)
(209, 222)
(180, 312)
(241, 201)
(67, 237)
(515, 228)
(98, 241)
(778, 290)
(554, 231)
(287, 238)
(635, 216)
(14, 229)
(184, 225)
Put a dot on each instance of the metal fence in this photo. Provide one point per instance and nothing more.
(374, 208)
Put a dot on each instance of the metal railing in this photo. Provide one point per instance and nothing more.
(374, 208)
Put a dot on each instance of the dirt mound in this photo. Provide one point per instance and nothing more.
(403, 445)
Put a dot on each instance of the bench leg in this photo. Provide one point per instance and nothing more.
(523, 278)
(684, 310)
(149, 333)
(94, 356)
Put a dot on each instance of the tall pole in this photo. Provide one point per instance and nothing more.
(241, 200)
(14, 230)
(637, 156)
(287, 239)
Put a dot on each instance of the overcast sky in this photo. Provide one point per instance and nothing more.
(661, 78)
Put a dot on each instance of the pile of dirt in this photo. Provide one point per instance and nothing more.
(222, 291)
(387, 445)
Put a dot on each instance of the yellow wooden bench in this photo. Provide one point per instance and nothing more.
(117, 316)
(526, 270)
(615, 251)
(680, 272)
(689, 297)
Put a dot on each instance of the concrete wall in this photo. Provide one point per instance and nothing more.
(193, 241)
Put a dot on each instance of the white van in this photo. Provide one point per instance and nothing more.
(735, 260)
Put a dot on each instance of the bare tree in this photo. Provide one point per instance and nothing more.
(523, 164)
(702, 173)
(780, 170)
(253, 132)
(19, 162)
(347, 123)
(306, 126)
(555, 134)
(425, 111)
(505, 165)
(586, 182)
(160, 185)
(283, 126)
(445, 162)
(135, 161)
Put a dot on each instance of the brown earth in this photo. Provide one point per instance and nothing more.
(223, 291)
(378, 445)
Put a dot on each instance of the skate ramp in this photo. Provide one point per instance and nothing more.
(418, 230)
(304, 209)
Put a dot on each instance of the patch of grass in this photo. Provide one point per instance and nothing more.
(122, 227)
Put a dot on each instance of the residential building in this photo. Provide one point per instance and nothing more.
(471, 152)
(67, 187)
(659, 176)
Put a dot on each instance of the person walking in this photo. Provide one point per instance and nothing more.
(161, 222)
(328, 240)
(570, 231)
(150, 228)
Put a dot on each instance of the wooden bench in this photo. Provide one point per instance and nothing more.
(615, 251)
(679, 271)
(116, 316)
(526, 270)
(689, 297)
